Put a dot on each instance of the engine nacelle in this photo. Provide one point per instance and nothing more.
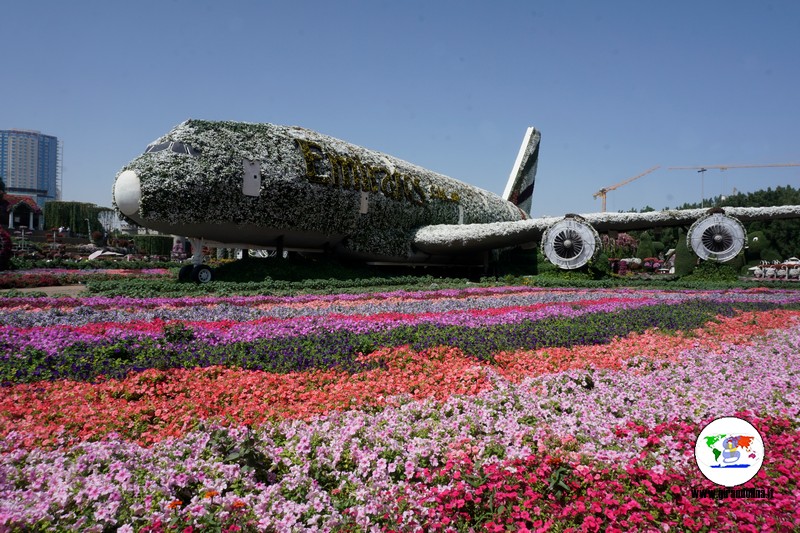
(716, 237)
(570, 243)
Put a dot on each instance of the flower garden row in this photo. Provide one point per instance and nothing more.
(552, 426)
(80, 342)
(43, 277)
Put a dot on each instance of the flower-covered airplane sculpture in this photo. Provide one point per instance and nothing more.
(245, 185)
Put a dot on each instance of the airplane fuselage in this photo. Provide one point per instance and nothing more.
(264, 185)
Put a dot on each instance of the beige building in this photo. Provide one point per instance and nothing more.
(30, 164)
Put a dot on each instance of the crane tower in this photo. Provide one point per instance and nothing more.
(602, 192)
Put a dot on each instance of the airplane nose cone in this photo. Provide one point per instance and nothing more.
(127, 193)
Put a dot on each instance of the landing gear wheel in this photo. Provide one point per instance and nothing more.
(202, 274)
(185, 273)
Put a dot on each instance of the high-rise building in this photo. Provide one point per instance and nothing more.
(30, 164)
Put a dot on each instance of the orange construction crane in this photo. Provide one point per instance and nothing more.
(602, 192)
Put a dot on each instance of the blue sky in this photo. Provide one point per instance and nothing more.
(616, 87)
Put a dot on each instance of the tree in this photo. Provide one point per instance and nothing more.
(73, 215)
(782, 235)
(685, 260)
(645, 248)
(107, 217)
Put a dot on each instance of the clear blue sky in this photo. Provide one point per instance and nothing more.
(616, 87)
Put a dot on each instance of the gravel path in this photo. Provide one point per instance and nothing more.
(61, 290)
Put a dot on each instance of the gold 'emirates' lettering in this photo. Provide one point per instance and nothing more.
(348, 172)
(312, 153)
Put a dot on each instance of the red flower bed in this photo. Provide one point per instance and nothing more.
(152, 405)
(736, 330)
(534, 493)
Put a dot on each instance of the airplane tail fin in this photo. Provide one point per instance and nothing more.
(519, 189)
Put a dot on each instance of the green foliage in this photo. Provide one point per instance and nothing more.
(770, 254)
(600, 267)
(73, 215)
(715, 271)
(556, 483)
(149, 288)
(548, 272)
(757, 242)
(685, 259)
(784, 236)
(178, 332)
(153, 244)
(645, 248)
(669, 236)
(738, 262)
(244, 452)
(23, 263)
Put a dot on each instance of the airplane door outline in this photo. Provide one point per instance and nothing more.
(251, 178)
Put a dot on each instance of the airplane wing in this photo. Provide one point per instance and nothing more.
(455, 238)
(717, 228)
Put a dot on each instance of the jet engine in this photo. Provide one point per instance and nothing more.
(717, 237)
(570, 243)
